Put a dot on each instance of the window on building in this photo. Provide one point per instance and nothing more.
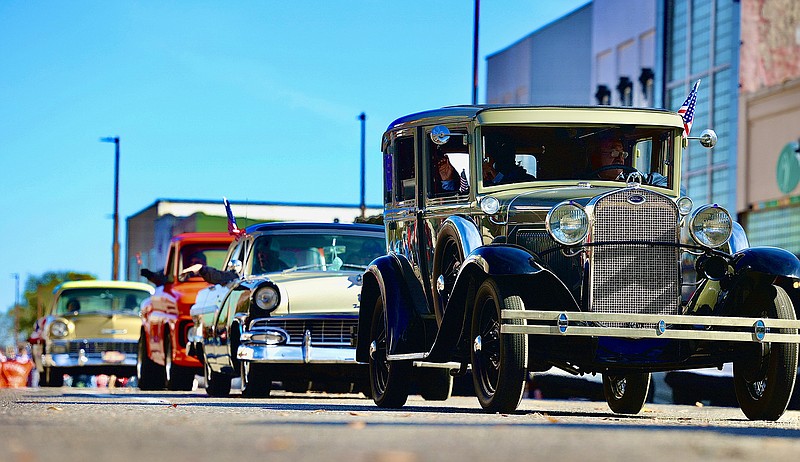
(603, 95)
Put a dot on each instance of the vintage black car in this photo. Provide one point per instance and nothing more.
(543, 256)
(286, 308)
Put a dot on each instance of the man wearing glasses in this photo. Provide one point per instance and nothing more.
(604, 153)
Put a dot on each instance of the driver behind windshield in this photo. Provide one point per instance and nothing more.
(605, 152)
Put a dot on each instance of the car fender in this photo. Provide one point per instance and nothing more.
(392, 278)
(512, 266)
(766, 260)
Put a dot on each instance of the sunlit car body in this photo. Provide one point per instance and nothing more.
(162, 359)
(290, 319)
(560, 265)
(92, 328)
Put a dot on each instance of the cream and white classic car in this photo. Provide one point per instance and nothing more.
(285, 309)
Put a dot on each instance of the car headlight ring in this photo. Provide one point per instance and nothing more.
(567, 223)
(266, 297)
(59, 329)
(711, 226)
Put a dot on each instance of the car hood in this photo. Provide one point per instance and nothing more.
(305, 292)
(186, 294)
(97, 325)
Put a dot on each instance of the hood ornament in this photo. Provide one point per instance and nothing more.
(634, 180)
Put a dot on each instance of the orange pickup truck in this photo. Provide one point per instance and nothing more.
(162, 361)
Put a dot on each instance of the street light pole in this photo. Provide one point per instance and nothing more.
(115, 242)
(475, 54)
(16, 310)
(363, 118)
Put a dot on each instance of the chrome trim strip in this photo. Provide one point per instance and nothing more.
(665, 326)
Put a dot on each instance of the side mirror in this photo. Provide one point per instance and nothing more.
(440, 135)
(708, 138)
(234, 265)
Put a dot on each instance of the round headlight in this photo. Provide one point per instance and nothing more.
(685, 205)
(267, 297)
(568, 223)
(490, 205)
(59, 329)
(711, 226)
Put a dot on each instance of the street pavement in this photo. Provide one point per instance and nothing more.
(125, 424)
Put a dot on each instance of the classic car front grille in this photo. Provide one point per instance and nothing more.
(335, 332)
(637, 278)
(89, 346)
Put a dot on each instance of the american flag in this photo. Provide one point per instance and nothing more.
(687, 109)
(232, 228)
(463, 184)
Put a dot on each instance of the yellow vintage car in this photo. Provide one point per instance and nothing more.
(92, 328)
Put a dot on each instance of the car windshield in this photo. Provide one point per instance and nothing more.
(578, 152)
(315, 252)
(205, 254)
(100, 300)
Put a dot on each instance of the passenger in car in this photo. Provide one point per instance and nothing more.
(500, 165)
(444, 173)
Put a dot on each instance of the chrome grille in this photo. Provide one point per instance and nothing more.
(89, 346)
(635, 278)
(323, 331)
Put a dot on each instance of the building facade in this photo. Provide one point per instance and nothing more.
(768, 197)
(699, 40)
(150, 230)
(550, 66)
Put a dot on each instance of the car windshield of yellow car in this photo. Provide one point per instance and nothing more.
(315, 252)
(83, 301)
(516, 154)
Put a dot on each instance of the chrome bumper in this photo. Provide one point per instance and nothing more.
(570, 323)
(87, 359)
(306, 353)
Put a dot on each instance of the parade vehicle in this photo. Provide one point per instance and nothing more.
(92, 327)
(162, 361)
(285, 309)
(541, 259)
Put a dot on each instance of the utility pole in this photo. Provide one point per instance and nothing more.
(475, 54)
(16, 310)
(363, 118)
(115, 242)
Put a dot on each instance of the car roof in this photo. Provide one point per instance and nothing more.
(275, 226)
(99, 284)
(202, 237)
(466, 112)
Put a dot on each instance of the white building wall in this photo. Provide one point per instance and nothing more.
(550, 66)
(623, 43)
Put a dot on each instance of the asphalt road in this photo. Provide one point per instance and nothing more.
(80, 424)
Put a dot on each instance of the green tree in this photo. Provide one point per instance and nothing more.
(38, 296)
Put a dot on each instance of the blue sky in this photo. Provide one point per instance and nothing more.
(252, 100)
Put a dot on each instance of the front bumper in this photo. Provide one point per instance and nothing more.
(305, 353)
(589, 324)
(90, 353)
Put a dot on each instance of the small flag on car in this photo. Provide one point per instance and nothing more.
(463, 184)
(687, 110)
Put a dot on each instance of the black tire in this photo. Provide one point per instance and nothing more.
(390, 381)
(435, 384)
(51, 377)
(149, 375)
(256, 381)
(764, 387)
(176, 377)
(626, 394)
(499, 361)
(217, 385)
(446, 264)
